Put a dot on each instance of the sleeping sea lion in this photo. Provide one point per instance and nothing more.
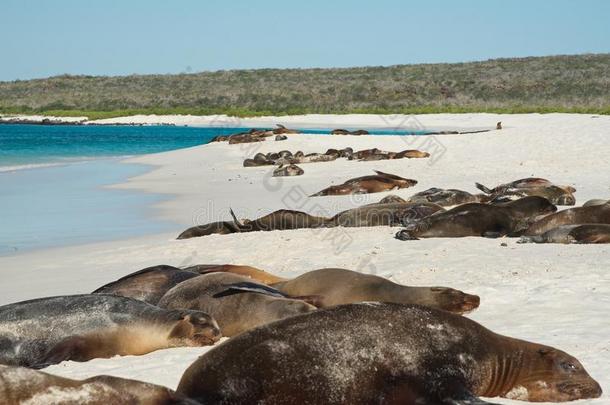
(46, 331)
(341, 286)
(236, 302)
(389, 214)
(446, 197)
(21, 386)
(586, 233)
(558, 195)
(219, 228)
(368, 184)
(147, 285)
(382, 353)
(593, 214)
(475, 219)
(289, 170)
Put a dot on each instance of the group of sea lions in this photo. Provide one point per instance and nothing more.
(327, 336)
(255, 135)
(322, 337)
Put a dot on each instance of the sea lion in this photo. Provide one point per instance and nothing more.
(237, 303)
(46, 331)
(476, 219)
(289, 170)
(313, 158)
(219, 228)
(392, 199)
(386, 353)
(21, 386)
(411, 154)
(595, 201)
(587, 233)
(281, 137)
(593, 214)
(534, 186)
(253, 273)
(384, 214)
(148, 284)
(499, 125)
(341, 286)
(281, 129)
(276, 221)
(446, 197)
(368, 184)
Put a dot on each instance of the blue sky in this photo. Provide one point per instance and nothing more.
(44, 38)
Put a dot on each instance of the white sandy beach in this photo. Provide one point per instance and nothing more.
(552, 294)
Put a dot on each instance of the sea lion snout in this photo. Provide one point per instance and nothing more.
(456, 301)
(196, 328)
(558, 377)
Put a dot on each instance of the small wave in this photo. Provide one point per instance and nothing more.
(64, 161)
(28, 166)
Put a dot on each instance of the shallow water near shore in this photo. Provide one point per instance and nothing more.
(70, 205)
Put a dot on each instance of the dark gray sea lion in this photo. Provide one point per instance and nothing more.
(368, 184)
(237, 303)
(594, 214)
(534, 186)
(21, 386)
(384, 214)
(584, 234)
(475, 219)
(253, 273)
(46, 331)
(346, 132)
(341, 286)
(499, 125)
(289, 170)
(314, 158)
(281, 137)
(446, 197)
(147, 285)
(382, 353)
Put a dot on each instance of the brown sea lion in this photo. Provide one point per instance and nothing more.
(281, 129)
(475, 219)
(313, 158)
(411, 154)
(586, 233)
(387, 353)
(341, 286)
(346, 132)
(253, 273)
(387, 214)
(46, 331)
(368, 184)
(593, 214)
(236, 302)
(446, 197)
(21, 386)
(289, 170)
(534, 186)
(219, 228)
(148, 284)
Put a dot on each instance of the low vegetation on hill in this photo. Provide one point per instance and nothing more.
(579, 83)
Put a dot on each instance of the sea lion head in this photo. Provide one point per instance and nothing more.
(455, 301)
(551, 375)
(566, 199)
(194, 328)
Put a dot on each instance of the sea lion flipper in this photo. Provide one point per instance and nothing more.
(247, 287)
(405, 235)
(237, 221)
(315, 300)
(70, 348)
(483, 188)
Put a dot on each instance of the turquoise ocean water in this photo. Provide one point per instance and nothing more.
(52, 182)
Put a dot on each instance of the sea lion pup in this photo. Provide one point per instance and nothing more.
(20, 385)
(148, 284)
(476, 219)
(46, 331)
(585, 234)
(289, 170)
(389, 353)
(341, 286)
(237, 303)
(368, 184)
(384, 214)
(314, 158)
(499, 125)
(534, 186)
(593, 214)
(446, 197)
(411, 154)
(253, 273)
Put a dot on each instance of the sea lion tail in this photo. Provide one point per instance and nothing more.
(483, 188)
